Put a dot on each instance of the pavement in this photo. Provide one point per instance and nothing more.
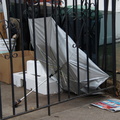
(76, 111)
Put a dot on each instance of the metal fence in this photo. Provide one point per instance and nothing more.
(65, 38)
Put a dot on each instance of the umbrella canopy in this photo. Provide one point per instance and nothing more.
(96, 75)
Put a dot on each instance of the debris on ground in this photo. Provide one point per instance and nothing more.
(112, 105)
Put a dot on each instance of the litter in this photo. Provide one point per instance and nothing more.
(112, 105)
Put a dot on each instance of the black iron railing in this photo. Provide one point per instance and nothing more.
(80, 25)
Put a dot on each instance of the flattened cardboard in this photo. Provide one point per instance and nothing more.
(5, 69)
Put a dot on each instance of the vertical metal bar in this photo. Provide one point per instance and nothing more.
(57, 49)
(87, 9)
(10, 52)
(34, 43)
(0, 102)
(38, 7)
(104, 64)
(46, 49)
(73, 3)
(114, 42)
(74, 19)
(16, 9)
(25, 7)
(77, 42)
(52, 6)
(97, 30)
(59, 12)
(90, 43)
(81, 42)
(67, 49)
(22, 44)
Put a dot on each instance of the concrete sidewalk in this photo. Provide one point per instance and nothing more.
(79, 109)
(84, 113)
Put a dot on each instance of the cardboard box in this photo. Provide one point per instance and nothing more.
(2, 24)
(5, 69)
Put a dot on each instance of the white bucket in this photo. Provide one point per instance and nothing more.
(3, 47)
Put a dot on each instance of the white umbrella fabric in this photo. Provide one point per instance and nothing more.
(96, 75)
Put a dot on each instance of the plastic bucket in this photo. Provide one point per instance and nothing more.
(3, 47)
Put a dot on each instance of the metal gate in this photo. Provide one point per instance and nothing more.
(55, 48)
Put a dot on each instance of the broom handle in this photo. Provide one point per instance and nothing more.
(33, 89)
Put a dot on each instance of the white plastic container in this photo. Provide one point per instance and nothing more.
(3, 47)
(42, 84)
(30, 83)
(31, 68)
(18, 79)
